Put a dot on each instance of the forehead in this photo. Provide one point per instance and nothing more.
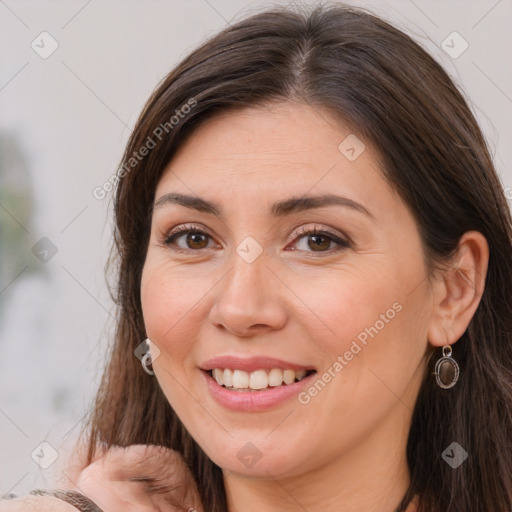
(256, 156)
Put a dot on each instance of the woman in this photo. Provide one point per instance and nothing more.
(315, 278)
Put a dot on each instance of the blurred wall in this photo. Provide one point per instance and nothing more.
(73, 78)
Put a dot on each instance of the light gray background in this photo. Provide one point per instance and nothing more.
(63, 124)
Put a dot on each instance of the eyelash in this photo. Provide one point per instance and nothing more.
(178, 232)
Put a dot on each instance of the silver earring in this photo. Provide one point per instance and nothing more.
(146, 359)
(447, 369)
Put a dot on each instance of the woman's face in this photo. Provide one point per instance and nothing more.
(255, 294)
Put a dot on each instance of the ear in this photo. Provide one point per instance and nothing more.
(458, 289)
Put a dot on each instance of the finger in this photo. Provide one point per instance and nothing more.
(137, 462)
(153, 472)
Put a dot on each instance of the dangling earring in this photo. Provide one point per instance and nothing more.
(146, 359)
(447, 369)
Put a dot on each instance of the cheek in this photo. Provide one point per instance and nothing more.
(168, 302)
(343, 303)
(368, 315)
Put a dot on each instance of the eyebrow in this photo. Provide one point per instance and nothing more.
(278, 209)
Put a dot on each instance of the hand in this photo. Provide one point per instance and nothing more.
(140, 478)
(36, 504)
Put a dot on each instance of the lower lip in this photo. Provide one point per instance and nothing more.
(254, 401)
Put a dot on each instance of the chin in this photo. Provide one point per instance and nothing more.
(260, 459)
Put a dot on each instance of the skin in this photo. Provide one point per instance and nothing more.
(345, 449)
(138, 478)
(114, 482)
(36, 504)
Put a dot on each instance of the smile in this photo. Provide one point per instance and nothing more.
(256, 383)
(240, 380)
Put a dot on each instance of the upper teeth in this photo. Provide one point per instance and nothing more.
(259, 379)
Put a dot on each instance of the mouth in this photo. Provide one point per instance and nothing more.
(254, 384)
(259, 380)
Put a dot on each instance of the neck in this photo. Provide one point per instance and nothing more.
(371, 477)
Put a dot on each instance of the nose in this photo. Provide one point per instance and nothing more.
(249, 299)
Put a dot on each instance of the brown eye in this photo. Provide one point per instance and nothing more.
(191, 239)
(314, 241)
(319, 241)
(197, 240)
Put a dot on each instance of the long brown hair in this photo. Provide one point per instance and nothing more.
(393, 94)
